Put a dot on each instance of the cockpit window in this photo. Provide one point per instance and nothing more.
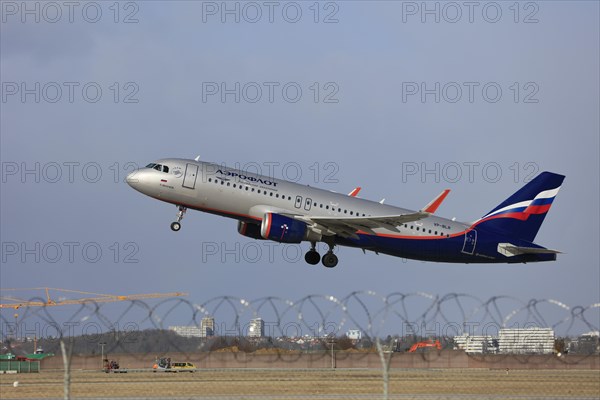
(158, 167)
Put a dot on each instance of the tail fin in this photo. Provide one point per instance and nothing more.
(522, 214)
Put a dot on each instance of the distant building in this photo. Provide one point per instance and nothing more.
(476, 344)
(588, 343)
(256, 328)
(186, 331)
(526, 341)
(207, 327)
(354, 334)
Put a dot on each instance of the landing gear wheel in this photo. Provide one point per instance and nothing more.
(329, 259)
(176, 226)
(312, 257)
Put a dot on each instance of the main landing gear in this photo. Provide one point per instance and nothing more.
(313, 257)
(176, 226)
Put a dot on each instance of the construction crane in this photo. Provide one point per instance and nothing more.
(425, 344)
(16, 302)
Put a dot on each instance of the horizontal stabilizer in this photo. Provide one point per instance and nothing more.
(510, 250)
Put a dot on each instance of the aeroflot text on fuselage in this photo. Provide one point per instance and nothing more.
(246, 178)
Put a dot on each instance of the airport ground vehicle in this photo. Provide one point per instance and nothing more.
(112, 366)
(425, 344)
(165, 364)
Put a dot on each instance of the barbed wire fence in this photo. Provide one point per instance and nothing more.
(399, 330)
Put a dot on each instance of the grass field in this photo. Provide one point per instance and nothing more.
(321, 384)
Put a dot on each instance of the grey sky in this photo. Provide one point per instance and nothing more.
(365, 128)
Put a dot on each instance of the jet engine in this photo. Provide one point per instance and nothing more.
(250, 230)
(283, 229)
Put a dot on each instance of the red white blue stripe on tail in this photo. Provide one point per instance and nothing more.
(522, 213)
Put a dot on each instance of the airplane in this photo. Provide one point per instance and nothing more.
(273, 209)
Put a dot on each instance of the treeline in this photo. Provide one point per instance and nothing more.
(167, 341)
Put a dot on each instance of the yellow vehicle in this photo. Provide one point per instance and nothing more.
(166, 365)
(183, 367)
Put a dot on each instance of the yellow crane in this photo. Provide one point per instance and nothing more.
(8, 301)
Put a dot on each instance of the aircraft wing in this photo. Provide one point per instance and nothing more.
(347, 226)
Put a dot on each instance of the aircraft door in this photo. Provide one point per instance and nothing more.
(191, 174)
(307, 204)
(298, 203)
(470, 242)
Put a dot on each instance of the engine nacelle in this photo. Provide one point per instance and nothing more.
(249, 230)
(283, 229)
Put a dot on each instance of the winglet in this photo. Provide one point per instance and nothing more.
(435, 203)
(354, 192)
(197, 158)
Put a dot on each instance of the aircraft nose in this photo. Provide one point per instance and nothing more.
(133, 179)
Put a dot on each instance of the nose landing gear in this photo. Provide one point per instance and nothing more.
(176, 226)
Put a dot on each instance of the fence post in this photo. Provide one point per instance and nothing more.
(66, 355)
(385, 365)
